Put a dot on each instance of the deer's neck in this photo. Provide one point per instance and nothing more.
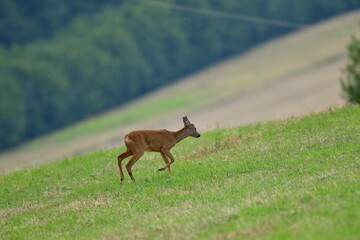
(181, 134)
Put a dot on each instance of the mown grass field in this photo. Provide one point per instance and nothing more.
(292, 179)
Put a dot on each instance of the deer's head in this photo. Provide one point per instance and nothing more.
(190, 128)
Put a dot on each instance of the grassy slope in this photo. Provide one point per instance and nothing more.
(297, 178)
(278, 59)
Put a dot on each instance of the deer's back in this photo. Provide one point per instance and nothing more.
(149, 140)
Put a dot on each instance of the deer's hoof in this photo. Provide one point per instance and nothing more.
(160, 169)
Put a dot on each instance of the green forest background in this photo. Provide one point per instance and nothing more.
(63, 61)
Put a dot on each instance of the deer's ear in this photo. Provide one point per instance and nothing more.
(186, 121)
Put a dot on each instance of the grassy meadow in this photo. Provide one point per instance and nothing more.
(292, 179)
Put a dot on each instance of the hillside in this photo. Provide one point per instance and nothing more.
(235, 93)
(62, 62)
(291, 179)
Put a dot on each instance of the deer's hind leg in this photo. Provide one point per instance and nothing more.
(121, 157)
(131, 163)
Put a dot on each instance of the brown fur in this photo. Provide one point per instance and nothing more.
(161, 141)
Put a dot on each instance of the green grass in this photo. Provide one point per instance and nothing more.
(292, 179)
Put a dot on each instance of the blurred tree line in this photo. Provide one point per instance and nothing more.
(350, 79)
(62, 61)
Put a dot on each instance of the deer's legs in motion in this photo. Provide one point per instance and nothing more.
(121, 157)
(132, 161)
(167, 154)
(166, 162)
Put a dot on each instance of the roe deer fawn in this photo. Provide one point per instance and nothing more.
(161, 141)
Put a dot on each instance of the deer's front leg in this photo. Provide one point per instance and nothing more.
(166, 162)
(167, 153)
